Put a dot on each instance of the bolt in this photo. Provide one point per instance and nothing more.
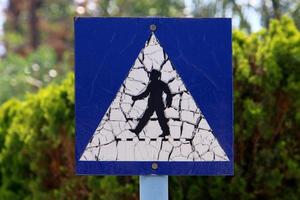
(154, 166)
(153, 27)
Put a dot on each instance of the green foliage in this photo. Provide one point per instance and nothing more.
(37, 133)
(267, 97)
(141, 8)
(20, 74)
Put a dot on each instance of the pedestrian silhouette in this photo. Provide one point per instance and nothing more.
(155, 90)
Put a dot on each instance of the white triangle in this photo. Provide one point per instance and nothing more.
(191, 137)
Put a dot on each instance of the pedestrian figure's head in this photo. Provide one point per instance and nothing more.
(155, 75)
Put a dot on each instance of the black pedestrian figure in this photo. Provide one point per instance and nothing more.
(155, 90)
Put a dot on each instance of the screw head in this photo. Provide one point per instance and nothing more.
(153, 27)
(154, 166)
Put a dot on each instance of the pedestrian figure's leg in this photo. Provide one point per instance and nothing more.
(163, 122)
(144, 120)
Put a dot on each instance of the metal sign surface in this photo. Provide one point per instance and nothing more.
(153, 96)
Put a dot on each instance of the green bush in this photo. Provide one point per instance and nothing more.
(29, 72)
(37, 134)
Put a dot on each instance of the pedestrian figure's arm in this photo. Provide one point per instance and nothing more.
(169, 95)
(142, 95)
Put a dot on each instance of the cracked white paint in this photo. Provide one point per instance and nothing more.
(191, 137)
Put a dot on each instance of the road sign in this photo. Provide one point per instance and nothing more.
(153, 96)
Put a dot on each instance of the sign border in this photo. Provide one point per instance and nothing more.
(136, 31)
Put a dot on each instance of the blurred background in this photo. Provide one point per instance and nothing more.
(37, 99)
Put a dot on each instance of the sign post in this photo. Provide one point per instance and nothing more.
(153, 97)
(153, 187)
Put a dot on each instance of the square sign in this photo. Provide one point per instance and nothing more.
(153, 96)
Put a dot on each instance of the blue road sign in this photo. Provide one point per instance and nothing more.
(153, 96)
